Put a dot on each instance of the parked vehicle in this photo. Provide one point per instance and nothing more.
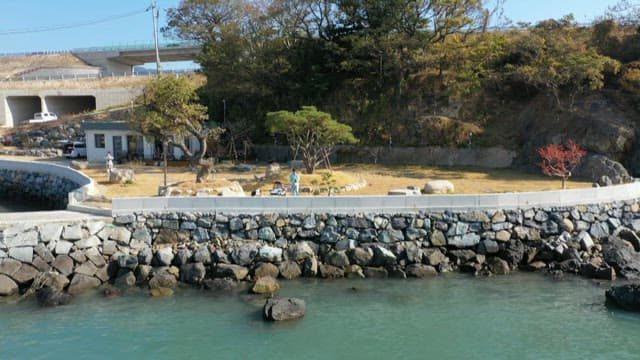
(75, 150)
(41, 117)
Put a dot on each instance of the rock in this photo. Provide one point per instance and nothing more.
(244, 254)
(63, 247)
(89, 242)
(329, 271)
(353, 271)
(498, 266)
(161, 292)
(265, 285)
(182, 257)
(81, 283)
(586, 243)
(44, 253)
(421, 270)
(64, 264)
(142, 273)
(628, 235)
(164, 256)
(283, 309)
(360, 256)
(434, 257)
(23, 254)
(121, 176)
(382, 257)
(488, 247)
(47, 297)
(375, 272)
(235, 272)
(121, 235)
(192, 273)
(22, 239)
(128, 262)
(87, 268)
(162, 280)
(289, 270)
(300, 250)
(202, 255)
(438, 187)
(513, 252)
(270, 254)
(464, 241)
(266, 234)
(624, 296)
(112, 292)
(50, 232)
(72, 232)
(220, 284)
(622, 257)
(7, 286)
(536, 266)
(337, 258)
(310, 267)
(265, 269)
(125, 279)
(145, 256)
(54, 280)
(593, 167)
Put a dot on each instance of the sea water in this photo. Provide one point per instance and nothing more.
(519, 316)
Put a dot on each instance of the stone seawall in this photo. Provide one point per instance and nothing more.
(216, 250)
(49, 189)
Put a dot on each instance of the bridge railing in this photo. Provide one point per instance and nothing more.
(50, 77)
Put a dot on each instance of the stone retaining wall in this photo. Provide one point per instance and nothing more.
(216, 250)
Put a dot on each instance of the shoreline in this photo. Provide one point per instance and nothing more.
(218, 251)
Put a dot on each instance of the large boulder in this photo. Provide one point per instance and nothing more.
(121, 176)
(81, 283)
(622, 257)
(438, 187)
(289, 270)
(283, 309)
(192, 273)
(625, 296)
(595, 167)
(235, 272)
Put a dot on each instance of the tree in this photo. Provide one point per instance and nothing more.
(169, 111)
(309, 131)
(559, 160)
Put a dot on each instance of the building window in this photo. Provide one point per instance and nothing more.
(99, 141)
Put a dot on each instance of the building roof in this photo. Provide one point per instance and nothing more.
(107, 125)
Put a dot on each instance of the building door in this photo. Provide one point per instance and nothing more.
(118, 153)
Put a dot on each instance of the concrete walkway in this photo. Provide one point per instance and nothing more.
(39, 217)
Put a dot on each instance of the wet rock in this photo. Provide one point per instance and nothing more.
(329, 271)
(265, 285)
(310, 267)
(360, 256)
(375, 272)
(624, 296)
(192, 273)
(283, 309)
(81, 283)
(289, 270)
(161, 292)
(125, 279)
(162, 280)
(47, 297)
(498, 266)
(221, 284)
(622, 257)
(337, 258)
(235, 272)
(421, 271)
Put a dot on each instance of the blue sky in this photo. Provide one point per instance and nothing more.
(98, 23)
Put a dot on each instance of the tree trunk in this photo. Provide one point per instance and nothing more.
(564, 182)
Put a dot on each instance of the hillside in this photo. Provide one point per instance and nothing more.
(11, 66)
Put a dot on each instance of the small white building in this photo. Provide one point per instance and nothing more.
(124, 143)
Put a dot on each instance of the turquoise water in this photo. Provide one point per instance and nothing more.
(523, 316)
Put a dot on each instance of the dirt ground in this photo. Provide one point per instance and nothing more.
(379, 179)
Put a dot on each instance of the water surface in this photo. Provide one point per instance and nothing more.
(523, 316)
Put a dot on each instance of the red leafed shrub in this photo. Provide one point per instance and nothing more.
(559, 160)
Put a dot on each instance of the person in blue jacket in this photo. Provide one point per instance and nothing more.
(294, 179)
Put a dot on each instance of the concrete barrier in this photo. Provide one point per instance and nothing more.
(388, 204)
(86, 185)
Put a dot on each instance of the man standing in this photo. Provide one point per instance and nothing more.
(109, 159)
(294, 179)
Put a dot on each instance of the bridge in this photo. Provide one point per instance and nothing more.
(20, 100)
(122, 59)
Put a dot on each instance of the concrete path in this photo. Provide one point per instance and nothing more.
(47, 217)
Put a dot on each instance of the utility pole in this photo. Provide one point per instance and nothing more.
(155, 13)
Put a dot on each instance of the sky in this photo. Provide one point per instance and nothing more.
(104, 23)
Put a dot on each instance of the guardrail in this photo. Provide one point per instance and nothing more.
(25, 78)
(386, 204)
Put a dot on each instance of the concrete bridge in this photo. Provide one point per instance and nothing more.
(121, 60)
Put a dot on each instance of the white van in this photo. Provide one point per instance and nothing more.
(74, 149)
(41, 117)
